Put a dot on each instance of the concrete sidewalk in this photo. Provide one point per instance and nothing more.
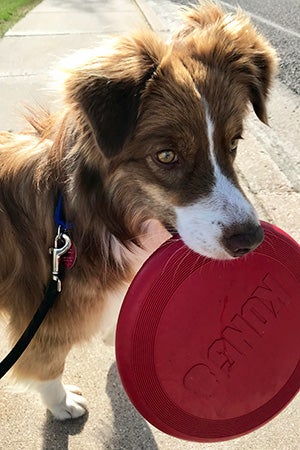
(53, 29)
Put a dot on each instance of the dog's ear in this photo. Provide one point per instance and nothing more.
(232, 43)
(252, 59)
(108, 88)
(259, 72)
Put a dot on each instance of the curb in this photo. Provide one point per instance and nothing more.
(152, 19)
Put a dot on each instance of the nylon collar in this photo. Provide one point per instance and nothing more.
(59, 215)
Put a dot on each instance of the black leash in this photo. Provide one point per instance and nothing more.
(62, 243)
(51, 295)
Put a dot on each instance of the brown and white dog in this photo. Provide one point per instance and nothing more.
(148, 132)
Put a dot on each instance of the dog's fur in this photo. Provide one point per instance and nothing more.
(101, 150)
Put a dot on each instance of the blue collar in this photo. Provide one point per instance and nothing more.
(59, 216)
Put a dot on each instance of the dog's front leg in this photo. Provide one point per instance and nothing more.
(40, 368)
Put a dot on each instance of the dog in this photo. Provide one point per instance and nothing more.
(143, 144)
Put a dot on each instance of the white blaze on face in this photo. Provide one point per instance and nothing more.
(201, 224)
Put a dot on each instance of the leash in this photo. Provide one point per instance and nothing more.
(62, 244)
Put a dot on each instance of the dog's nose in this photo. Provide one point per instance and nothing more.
(241, 240)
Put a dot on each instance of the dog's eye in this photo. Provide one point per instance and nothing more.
(234, 145)
(166, 157)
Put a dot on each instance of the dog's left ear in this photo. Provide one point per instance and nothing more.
(232, 43)
(256, 65)
(108, 88)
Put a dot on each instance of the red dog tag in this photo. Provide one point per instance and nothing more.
(69, 258)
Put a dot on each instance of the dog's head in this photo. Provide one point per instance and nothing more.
(166, 121)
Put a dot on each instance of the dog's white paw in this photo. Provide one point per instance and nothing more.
(63, 401)
(72, 406)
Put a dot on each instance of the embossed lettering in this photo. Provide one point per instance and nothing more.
(272, 294)
(219, 354)
(239, 337)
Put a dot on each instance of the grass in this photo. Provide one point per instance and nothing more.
(13, 10)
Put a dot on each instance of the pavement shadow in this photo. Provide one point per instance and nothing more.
(56, 433)
(130, 430)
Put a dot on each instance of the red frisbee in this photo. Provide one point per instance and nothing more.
(209, 350)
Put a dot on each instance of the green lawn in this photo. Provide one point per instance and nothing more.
(13, 10)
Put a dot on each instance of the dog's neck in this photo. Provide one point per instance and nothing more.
(103, 229)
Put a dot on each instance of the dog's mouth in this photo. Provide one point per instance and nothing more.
(228, 246)
(171, 229)
(235, 242)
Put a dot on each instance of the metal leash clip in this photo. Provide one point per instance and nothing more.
(62, 244)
